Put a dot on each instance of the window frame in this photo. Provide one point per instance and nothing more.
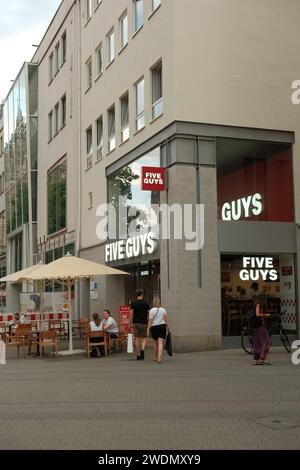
(89, 73)
(88, 10)
(50, 125)
(99, 146)
(137, 26)
(139, 115)
(50, 172)
(89, 149)
(97, 51)
(56, 119)
(111, 138)
(63, 102)
(125, 132)
(110, 50)
(51, 63)
(158, 103)
(121, 21)
(56, 58)
(64, 47)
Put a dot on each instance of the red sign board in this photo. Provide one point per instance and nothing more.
(153, 178)
(287, 270)
(125, 316)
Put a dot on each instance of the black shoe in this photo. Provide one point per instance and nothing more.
(142, 354)
(138, 358)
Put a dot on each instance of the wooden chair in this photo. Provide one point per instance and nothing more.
(12, 341)
(120, 341)
(46, 339)
(24, 331)
(102, 341)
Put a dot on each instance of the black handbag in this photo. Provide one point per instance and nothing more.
(168, 344)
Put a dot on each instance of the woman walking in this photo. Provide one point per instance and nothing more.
(261, 338)
(157, 325)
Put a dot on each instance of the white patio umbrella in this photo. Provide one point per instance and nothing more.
(25, 275)
(68, 270)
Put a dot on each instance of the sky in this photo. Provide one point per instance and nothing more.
(22, 23)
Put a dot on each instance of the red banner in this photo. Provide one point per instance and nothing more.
(125, 316)
(153, 178)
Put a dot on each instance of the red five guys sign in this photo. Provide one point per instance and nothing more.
(153, 178)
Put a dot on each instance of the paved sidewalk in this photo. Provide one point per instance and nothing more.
(208, 400)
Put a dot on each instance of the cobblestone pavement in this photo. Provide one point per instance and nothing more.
(208, 400)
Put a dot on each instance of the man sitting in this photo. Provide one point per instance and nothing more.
(109, 324)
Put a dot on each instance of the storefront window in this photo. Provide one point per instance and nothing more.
(125, 192)
(255, 181)
(244, 277)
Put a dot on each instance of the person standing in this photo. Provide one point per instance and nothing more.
(261, 338)
(138, 322)
(157, 325)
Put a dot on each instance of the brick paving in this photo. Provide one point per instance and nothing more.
(207, 400)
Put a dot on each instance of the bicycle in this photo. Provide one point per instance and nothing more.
(275, 327)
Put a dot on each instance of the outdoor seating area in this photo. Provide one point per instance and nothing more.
(38, 337)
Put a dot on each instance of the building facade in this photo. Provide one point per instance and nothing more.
(2, 216)
(202, 90)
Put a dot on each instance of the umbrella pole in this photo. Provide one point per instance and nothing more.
(70, 316)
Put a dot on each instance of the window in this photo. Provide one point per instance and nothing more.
(99, 60)
(56, 118)
(126, 183)
(89, 73)
(90, 200)
(57, 192)
(139, 14)
(56, 59)
(2, 234)
(111, 129)
(51, 68)
(155, 4)
(124, 30)
(88, 9)
(2, 183)
(254, 181)
(89, 146)
(157, 92)
(124, 118)
(111, 46)
(50, 125)
(63, 111)
(99, 127)
(64, 48)
(140, 104)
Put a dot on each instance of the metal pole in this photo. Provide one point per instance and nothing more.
(70, 316)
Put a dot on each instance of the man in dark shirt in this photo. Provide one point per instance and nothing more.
(139, 321)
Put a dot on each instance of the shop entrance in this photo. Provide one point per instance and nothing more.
(244, 277)
(144, 276)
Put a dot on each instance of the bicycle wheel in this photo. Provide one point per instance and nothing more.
(246, 341)
(285, 340)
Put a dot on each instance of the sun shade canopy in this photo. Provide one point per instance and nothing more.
(71, 268)
(24, 274)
